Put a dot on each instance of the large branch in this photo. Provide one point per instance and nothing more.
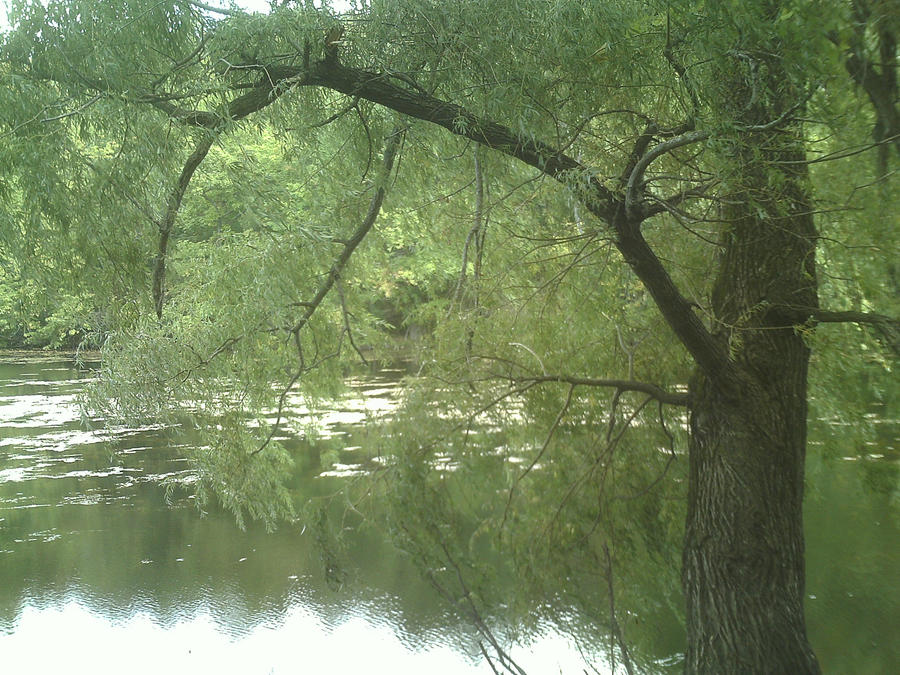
(677, 310)
(379, 88)
(599, 200)
(238, 108)
(829, 316)
(887, 327)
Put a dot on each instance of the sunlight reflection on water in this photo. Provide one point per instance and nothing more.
(300, 642)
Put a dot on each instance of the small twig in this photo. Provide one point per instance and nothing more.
(607, 452)
(679, 68)
(336, 116)
(672, 458)
(671, 203)
(281, 400)
(538, 456)
(477, 619)
(781, 119)
(365, 126)
(216, 10)
(403, 77)
(487, 657)
(532, 352)
(613, 409)
(73, 112)
(340, 291)
(614, 623)
(841, 154)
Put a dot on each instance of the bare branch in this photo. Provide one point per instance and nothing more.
(828, 316)
(357, 237)
(614, 623)
(538, 456)
(216, 10)
(346, 316)
(637, 175)
(662, 205)
(333, 278)
(77, 110)
(505, 659)
(336, 116)
(679, 68)
(651, 390)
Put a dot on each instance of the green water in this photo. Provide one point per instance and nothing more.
(103, 570)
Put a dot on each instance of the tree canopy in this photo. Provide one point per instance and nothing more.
(613, 236)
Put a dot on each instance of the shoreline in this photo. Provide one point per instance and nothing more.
(71, 355)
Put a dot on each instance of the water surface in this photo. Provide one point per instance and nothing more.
(104, 570)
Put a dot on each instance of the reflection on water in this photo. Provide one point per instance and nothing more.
(102, 572)
(299, 642)
(95, 559)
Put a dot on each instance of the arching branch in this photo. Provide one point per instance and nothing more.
(602, 202)
(173, 203)
(637, 174)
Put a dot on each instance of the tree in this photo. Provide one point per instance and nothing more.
(661, 117)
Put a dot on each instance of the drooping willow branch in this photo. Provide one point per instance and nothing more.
(466, 602)
(173, 203)
(356, 238)
(537, 458)
(334, 274)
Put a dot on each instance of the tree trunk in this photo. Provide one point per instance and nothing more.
(743, 572)
(743, 565)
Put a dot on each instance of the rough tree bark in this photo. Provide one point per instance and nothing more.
(743, 559)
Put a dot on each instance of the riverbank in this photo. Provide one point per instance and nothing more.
(75, 356)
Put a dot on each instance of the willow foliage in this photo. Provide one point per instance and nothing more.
(517, 434)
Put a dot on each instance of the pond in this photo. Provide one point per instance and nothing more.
(104, 570)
